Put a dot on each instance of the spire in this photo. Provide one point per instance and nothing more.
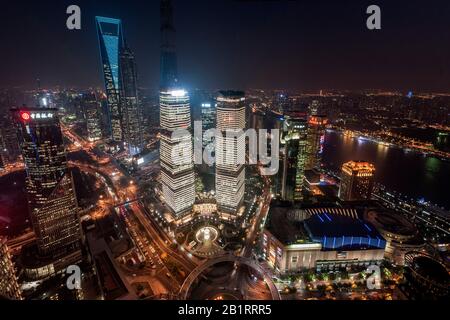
(168, 66)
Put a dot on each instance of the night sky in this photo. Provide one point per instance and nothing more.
(299, 45)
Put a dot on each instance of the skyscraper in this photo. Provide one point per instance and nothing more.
(9, 147)
(176, 156)
(9, 288)
(230, 152)
(316, 139)
(92, 109)
(356, 181)
(132, 131)
(208, 111)
(168, 62)
(294, 160)
(50, 191)
(314, 107)
(111, 41)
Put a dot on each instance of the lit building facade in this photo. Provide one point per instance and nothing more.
(9, 147)
(316, 139)
(93, 117)
(111, 41)
(294, 159)
(230, 151)
(313, 108)
(130, 105)
(357, 178)
(176, 155)
(320, 239)
(50, 190)
(208, 111)
(9, 288)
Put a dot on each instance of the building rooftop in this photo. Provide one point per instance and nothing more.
(342, 231)
(335, 228)
(288, 231)
(431, 269)
(391, 222)
(356, 166)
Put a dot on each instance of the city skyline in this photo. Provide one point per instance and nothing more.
(179, 178)
(298, 40)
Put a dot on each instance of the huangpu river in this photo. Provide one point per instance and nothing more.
(408, 172)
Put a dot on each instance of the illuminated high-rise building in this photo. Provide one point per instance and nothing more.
(230, 151)
(316, 139)
(176, 155)
(357, 178)
(50, 192)
(294, 159)
(314, 107)
(130, 105)
(9, 147)
(92, 109)
(9, 288)
(208, 117)
(111, 41)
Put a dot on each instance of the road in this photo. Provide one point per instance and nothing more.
(255, 228)
(154, 235)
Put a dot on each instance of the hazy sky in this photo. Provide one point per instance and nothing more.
(304, 45)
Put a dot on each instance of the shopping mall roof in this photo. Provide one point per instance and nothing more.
(336, 231)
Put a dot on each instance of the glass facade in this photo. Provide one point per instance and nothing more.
(49, 184)
(111, 41)
(132, 131)
(295, 140)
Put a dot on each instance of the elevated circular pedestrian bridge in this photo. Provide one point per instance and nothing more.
(200, 273)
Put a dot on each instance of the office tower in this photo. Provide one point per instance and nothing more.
(282, 102)
(130, 105)
(111, 41)
(208, 112)
(316, 140)
(294, 159)
(356, 181)
(314, 107)
(9, 147)
(275, 121)
(50, 192)
(9, 288)
(92, 109)
(176, 156)
(230, 152)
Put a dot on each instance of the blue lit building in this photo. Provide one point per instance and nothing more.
(339, 232)
(319, 238)
(110, 38)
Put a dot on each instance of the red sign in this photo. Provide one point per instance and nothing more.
(25, 116)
